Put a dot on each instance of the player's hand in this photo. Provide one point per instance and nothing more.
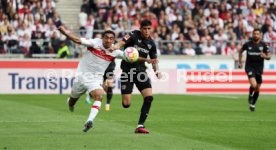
(113, 48)
(158, 74)
(263, 55)
(240, 65)
(152, 61)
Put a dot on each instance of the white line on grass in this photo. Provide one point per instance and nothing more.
(219, 96)
(39, 121)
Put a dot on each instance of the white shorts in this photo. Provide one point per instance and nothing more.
(80, 87)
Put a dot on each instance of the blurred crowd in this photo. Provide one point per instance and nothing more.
(189, 27)
(29, 27)
(180, 27)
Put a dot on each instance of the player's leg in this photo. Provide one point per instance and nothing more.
(88, 98)
(144, 87)
(126, 100)
(77, 90)
(97, 96)
(126, 90)
(257, 89)
(252, 80)
(253, 86)
(109, 92)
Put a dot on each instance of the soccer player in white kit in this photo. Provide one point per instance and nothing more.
(91, 69)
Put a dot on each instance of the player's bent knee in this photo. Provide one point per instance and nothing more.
(254, 86)
(98, 98)
(126, 105)
(148, 99)
(257, 89)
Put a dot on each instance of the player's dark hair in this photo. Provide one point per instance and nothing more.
(257, 29)
(109, 32)
(145, 23)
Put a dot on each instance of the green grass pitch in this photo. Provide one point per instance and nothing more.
(176, 122)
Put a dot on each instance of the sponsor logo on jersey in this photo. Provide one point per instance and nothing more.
(127, 36)
(141, 49)
(254, 53)
(261, 48)
(149, 46)
(249, 48)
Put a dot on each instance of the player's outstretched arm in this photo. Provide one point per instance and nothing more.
(150, 61)
(69, 35)
(155, 67)
(240, 57)
(117, 46)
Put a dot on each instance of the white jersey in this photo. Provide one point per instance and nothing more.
(96, 59)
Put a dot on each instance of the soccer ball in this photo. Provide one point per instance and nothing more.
(131, 54)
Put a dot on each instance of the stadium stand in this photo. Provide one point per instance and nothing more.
(181, 27)
(29, 27)
(210, 27)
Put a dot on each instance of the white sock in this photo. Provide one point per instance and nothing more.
(94, 110)
(140, 126)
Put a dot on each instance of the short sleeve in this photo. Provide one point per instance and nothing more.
(153, 52)
(266, 48)
(244, 47)
(88, 42)
(129, 38)
(119, 53)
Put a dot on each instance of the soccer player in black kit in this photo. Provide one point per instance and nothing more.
(135, 73)
(257, 51)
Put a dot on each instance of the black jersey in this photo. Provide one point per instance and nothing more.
(111, 67)
(145, 47)
(254, 62)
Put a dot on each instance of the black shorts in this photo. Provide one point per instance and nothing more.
(140, 79)
(109, 72)
(257, 76)
(108, 75)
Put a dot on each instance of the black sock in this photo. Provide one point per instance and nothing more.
(109, 95)
(255, 97)
(251, 90)
(145, 110)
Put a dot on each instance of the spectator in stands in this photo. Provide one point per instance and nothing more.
(169, 50)
(89, 26)
(55, 42)
(205, 36)
(270, 35)
(193, 36)
(22, 30)
(11, 40)
(34, 49)
(220, 39)
(4, 25)
(188, 50)
(82, 19)
(240, 31)
(63, 51)
(209, 48)
(230, 49)
(25, 44)
(57, 20)
(2, 49)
